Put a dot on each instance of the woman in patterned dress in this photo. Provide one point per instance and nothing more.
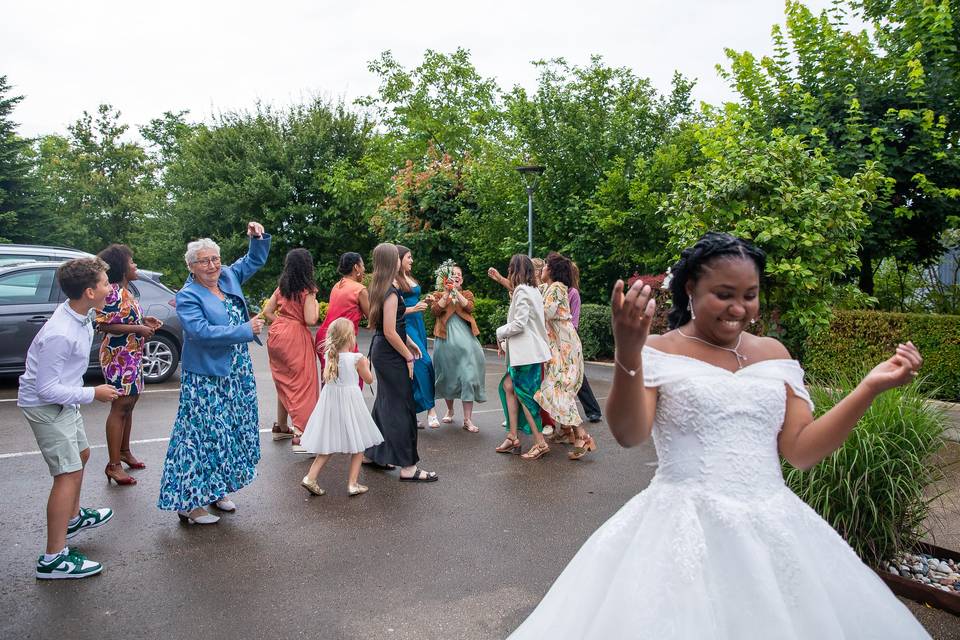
(121, 358)
(563, 374)
(215, 444)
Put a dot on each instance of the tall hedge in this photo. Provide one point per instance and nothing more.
(857, 340)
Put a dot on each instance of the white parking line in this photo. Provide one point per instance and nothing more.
(21, 454)
(142, 392)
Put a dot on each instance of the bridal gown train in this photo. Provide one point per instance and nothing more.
(717, 547)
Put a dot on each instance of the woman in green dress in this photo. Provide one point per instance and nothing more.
(458, 358)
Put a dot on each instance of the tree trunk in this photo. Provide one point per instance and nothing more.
(866, 272)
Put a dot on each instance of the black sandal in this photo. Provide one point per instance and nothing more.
(429, 476)
(377, 465)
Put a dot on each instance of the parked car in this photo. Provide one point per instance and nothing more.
(11, 254)
(29, 293)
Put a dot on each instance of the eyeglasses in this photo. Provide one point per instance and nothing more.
(206, 262)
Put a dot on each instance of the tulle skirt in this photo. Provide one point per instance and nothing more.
(681, 561)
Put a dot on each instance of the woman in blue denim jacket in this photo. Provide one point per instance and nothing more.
(215, 444)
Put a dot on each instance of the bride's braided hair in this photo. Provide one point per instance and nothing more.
(710, 247)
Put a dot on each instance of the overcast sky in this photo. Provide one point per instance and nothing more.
(144, 58)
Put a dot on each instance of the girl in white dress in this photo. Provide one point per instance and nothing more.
(341, 422)
(717, 546)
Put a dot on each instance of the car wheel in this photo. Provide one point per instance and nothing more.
(160, 359)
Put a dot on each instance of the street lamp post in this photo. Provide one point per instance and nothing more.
(531, 175)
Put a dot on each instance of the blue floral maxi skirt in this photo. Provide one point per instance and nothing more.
(215, 444)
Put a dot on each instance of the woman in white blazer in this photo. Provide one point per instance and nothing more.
(524, 340)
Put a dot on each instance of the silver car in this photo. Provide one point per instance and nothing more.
(29, 293)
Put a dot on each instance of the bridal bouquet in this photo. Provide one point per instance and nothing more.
(444, 274)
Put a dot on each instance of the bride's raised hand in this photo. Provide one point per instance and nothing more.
(632, 314)
(898, 370)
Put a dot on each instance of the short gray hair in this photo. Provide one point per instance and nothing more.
(197, 246)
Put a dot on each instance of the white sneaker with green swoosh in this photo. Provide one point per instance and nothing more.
(89, 519)
(71, 564)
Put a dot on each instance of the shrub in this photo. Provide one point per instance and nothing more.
(873, 489)
(595, 331)
(857, 340)
(489, 315)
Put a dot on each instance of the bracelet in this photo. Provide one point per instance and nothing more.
(630, 372)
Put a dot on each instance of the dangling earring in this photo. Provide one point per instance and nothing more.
(693, 316)
(753, 321)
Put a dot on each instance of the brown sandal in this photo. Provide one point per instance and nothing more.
(563, 435)
(510, 445)
(579, 451)
(536, 451)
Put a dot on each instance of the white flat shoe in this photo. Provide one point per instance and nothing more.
(298, 449)
(225, 504)
(206, 518)
(548, 430)
(447, 419)
(433, 422)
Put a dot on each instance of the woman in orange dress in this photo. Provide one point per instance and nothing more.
(291, 310)
(348, 299)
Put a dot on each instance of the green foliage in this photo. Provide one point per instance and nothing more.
(874, 489)
(890, 98)
(299, 172)
(443, 103)
(489, 314)
(786, 198)
(596, 128)
(99, 187)
(858, 339)
(595, 331)
(17, 183)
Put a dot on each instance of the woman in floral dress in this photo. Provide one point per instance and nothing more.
(563, 374)
(121, 358)
(215, 445)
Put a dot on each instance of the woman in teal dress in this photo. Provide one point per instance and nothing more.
(457, 355)
(423, 372)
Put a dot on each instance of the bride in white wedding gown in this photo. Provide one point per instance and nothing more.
(717, 547)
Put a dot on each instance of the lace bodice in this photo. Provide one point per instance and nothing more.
(716, 428)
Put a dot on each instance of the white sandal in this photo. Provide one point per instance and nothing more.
(447, 419)
(433, 422)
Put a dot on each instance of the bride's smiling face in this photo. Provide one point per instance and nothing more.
(725, 298)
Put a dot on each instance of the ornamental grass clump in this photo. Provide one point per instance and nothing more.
(874, 490)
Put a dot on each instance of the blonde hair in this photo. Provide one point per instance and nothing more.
(537, 269)
(339, 336)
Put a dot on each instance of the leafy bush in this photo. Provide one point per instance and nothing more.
(595, 331)
(873, 489)
(857, 339)
(489, 315)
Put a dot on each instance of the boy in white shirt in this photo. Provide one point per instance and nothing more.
(51, 391)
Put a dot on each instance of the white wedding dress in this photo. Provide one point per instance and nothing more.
(717, 547)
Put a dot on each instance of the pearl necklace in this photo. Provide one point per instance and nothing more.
(734, 350)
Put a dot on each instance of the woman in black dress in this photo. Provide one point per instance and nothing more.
(392, 355)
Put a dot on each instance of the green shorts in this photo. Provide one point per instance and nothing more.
(59, 432)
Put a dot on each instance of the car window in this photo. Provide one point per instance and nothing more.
(13, 258)
(26, 287)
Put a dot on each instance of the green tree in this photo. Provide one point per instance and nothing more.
(96, 184)
(594, 128)
(444, 103)
(17, 183)
(890, 98)
(786, 197)
(298, 171)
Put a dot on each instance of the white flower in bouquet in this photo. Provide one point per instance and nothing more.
(444, 274)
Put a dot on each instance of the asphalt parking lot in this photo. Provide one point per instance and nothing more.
(467, 557)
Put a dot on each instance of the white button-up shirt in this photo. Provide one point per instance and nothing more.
(56, 361)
